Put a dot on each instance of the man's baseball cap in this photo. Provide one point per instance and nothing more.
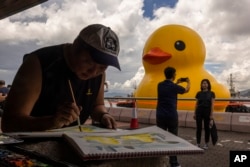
(102, 43)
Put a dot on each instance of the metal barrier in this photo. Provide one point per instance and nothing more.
(228, 121)
(234, 105)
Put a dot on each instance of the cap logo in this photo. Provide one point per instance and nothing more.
(110, 44)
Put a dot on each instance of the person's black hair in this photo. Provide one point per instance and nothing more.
(208, 82)
(169, 72)
(2, 82)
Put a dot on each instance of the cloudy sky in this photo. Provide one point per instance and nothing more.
(223, 25)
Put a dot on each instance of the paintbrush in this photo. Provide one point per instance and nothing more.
(74, 100)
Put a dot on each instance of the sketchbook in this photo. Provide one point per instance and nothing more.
(59, 132)
(87, 128)
(146, 142)
(6, 139)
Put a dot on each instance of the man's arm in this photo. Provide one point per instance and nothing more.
(100, 113)
(187, 88)
(24, 93)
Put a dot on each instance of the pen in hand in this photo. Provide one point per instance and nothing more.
(74, 100)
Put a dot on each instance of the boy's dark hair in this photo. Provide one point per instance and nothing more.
(208, 83)
(169, 72)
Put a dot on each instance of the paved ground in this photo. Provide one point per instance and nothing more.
(215, 156)
(218, 155)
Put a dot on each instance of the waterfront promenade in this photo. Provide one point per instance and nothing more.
(218, 155)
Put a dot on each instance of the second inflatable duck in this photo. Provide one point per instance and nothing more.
(182, 48)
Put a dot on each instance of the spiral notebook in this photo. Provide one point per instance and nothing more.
(56, 133)
(146, 142)
(6, 139)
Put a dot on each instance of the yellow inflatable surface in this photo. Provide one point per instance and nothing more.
(182, 48)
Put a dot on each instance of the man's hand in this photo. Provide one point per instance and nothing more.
(66, 114)
(108, 121)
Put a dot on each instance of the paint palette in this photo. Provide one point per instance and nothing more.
(11, 159)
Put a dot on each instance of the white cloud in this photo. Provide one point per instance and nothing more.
(223, 25)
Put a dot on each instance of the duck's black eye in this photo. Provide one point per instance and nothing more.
(179, 45)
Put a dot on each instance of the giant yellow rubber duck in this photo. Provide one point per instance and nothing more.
(182, 48)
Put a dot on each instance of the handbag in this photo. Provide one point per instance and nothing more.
(213, 132)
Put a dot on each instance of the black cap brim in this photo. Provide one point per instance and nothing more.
(103, 58)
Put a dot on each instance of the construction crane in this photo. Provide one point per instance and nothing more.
(235, 106)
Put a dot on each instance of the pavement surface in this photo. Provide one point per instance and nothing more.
(215, 156)
(218, 155)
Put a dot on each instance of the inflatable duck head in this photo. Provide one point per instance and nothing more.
(182, 48)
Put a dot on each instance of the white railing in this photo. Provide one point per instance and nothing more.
(237, 104)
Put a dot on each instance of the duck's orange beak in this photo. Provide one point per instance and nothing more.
(156, 56)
